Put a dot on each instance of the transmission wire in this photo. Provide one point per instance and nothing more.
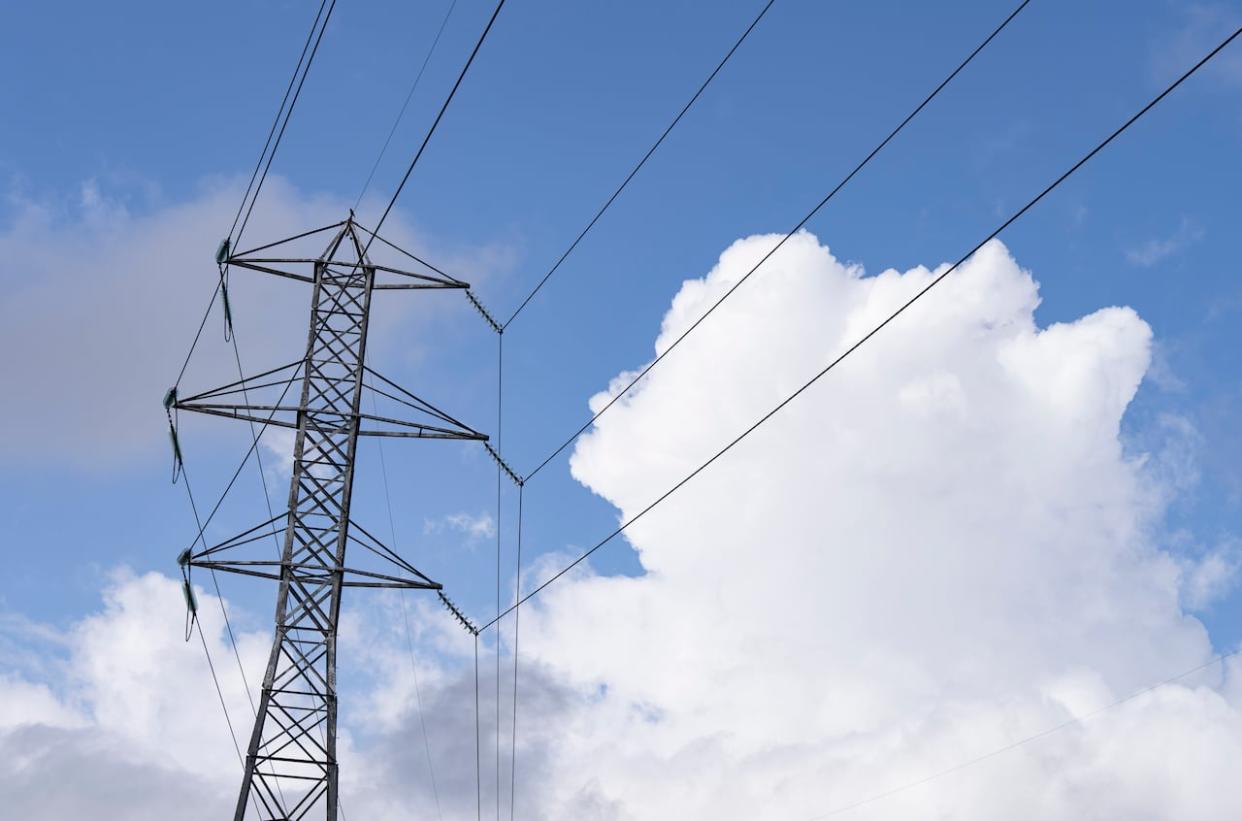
(478, 758)
(638, 167)
(901, 126)
(861, 341)
(253, 447)
(288, 115)
(228, 626)
(435, 124)
(264, 153)
(223, 705)
(409, 642)
(276, 120)
(258, 454)
(401, 114)
(500, 393)
(517, 615)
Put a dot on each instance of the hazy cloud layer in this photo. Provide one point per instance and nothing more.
(101, 305)
(1157, 250)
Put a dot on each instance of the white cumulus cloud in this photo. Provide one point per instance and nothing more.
(941, 548)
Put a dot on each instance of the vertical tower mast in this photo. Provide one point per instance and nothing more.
(291, 766)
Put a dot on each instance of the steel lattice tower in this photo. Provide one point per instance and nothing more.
(291, 766)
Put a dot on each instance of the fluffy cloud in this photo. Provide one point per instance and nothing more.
(122, 709)
(131, 722)
(941, 548)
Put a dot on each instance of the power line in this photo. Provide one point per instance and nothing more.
(1027, 740)
(215, 581)
(288, 114)
(478, 756)
(517, 615)
(401, 114)
(262, 154)
(500, 394)
(418, 700)
(435, 124)
(258, 455)
(223, 704)
(863, 340)
(276, 120)
(405, 618)
(219, 692)
(859, 167)
(199, 333)
(640, 164)
(253, 447)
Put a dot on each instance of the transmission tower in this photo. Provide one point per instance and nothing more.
(291, 766)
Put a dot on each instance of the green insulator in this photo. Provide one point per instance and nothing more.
(191, 602)
(176, 444)
(170, 398)
(222, 253)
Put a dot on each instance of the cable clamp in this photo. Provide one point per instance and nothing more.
(517, 480)
(474, 300)
(457, 614)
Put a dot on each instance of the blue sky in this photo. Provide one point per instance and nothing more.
(133, 127)
(151, 104)
(147, 106)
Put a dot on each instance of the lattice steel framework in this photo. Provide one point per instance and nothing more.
(291, 766)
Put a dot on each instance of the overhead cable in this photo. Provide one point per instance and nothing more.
(235, 240)
(271, 132)
(286, 113)
(802, 222)
(434, 125)
(875, 330)
(408, 97)
(405, 618)
(634, 171)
